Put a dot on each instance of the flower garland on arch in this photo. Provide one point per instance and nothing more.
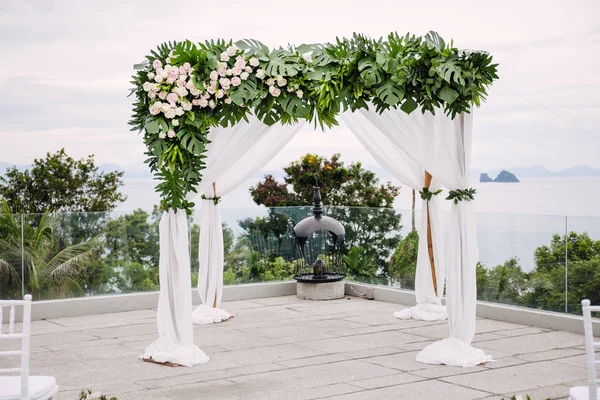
(183, 89)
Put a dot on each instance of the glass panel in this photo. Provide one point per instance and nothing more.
(583, 272)
(11, 257)
(518, 262)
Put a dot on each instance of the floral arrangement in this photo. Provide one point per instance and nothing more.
(183, 89)
(88, 395)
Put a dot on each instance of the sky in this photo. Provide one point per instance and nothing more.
(66, 66)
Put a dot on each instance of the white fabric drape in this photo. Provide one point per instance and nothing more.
(233, 155)
(442, 146)
(175, 341)
(374, 135)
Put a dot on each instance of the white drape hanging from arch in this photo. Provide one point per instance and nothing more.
(374, 136)
(442, 146)
(175, 343)
(233, 155)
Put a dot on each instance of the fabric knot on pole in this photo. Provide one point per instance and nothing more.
(426, 194)
(461, 195)
(214, 199)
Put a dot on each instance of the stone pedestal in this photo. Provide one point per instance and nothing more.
(320, 291)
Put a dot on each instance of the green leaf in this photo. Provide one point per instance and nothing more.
(448, 94)
(409, 105)
(152, 126)
(282, 62)
(390, 93)
(191, 141)
(254, 48)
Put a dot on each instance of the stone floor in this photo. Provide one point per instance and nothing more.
(285, 348)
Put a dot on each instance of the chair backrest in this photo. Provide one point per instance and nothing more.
(590, 347)
(9, 333)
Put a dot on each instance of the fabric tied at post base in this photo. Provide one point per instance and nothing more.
(205, 314)
(165, 350)
(423, 312)
(453, 352)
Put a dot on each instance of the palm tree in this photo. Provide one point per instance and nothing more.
(30, 256)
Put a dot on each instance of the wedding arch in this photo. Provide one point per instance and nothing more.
(212, 114)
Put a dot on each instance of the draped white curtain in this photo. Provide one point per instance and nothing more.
(442, 146)
(374, 135)
(175, 341)
(234, 154)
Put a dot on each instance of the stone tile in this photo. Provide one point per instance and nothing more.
(310, 376)
(489, 325)
(320, 392)
(521, 331)
(278, 301)
(431, 389)
(94, 342)
(400, 361)
(533, 343)
(308, 329)
(360, 342)
(113, 319)
(549, 392)
(316, 360)
(70, 337)
(222, 389)
(265, 342)
(372, 352)
(556, 354)
(519, 378)
(386, 318)
(440, 371)
(385, 381)
(108, 390)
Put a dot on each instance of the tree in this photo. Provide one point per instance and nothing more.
(61, 183)
(505, 283)
(30, 256)
(403, 264)
(354, 196)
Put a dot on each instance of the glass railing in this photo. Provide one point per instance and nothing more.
(523, 259)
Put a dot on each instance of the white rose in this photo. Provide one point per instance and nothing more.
(195, 92)
(254, 62)
(182, 91)
(281, 81)
(151, 75)
(248, 69)
(155, 109)
(214, 75)
(224, 56)
(299, 93)
(203, 102)
(229, 72)
(168, 61)
(244, 75)
(147, 86)
(187, 106)
(220, 94)
(272, 89)
(152, 95)
(307, 57)
(276, 92)
(260, 73)
(231, 50)
(270, 81)
(170, 114)
(178, 111)
(212, 104)
(158, 78)
(175, 122)
(228, 100)
(290, 89)
(161, 135)
(221, 65)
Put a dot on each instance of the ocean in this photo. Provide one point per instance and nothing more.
(513, 218)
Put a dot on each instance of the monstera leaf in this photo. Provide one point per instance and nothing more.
(389, 93)
(254, 48)
(282, 62)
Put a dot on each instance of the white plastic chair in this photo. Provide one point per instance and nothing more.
(590, 392)
(22, 387)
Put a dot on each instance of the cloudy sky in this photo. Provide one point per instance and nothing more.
(66, 65)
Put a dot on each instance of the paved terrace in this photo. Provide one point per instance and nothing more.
(285, 348)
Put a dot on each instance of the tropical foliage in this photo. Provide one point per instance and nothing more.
(183, 89)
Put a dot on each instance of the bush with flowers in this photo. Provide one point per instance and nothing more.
(183, 89)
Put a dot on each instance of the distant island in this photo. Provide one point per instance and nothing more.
(503, 177)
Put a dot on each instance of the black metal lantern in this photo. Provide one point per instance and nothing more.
(318, 247)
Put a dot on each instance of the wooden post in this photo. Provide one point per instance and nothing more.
(214, 185)
(428, 178)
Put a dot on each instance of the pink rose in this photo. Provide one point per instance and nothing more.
(214, 75)
(211, 90)
(171, 134)
(270, 81)
(189, 85)
(203, 102)
(248, 69)
(155, 109)
(180, 83)
(231, 50)
(228, 101)
(237, 71)
(254, 62)
(152, 95)
(276, 92)
(222, 72)
(236, 81)
(170, 80)
(157, 64)
(187, 66)
(195, 102)
(162, 95)
(172, 98)
(182, 71)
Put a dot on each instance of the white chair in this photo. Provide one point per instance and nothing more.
(590, 392)
(22, 387)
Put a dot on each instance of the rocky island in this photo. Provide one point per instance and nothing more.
(503, 177)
